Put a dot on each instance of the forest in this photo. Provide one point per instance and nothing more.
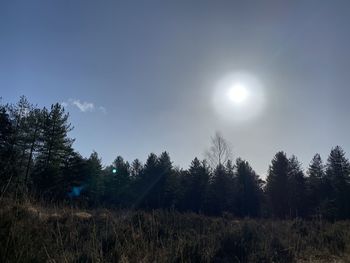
(37, 159)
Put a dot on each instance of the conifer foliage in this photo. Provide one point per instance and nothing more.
(37, 157)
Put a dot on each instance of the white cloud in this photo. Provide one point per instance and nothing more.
(83, 106)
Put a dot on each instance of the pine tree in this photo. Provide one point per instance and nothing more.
(136, 169)
(297, 189)
(54, 147)
(198, 182)
(221, 193)
(94, 184)
(74, 177)
(337, 174)
(248, 190)
(19, 141)
(157, 183)
(277, 185)
(35, 121)
(167, 183)
(6, 134)
(315, 184)
(147, 197)
(117, 183)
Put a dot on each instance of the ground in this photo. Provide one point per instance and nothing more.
(30, 232)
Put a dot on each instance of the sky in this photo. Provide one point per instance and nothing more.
(141, 76)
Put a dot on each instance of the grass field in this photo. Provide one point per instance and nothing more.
(33, 233)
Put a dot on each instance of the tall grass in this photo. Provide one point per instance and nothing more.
(33, 233)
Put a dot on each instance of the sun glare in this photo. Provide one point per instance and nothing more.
(238, 94)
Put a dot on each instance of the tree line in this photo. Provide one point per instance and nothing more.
(37, 157)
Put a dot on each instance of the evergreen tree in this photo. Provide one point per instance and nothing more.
(316, 184)
(248, 190)
(296, 189)
(277, 185)
(166, 185)
(147, 197)
(54, 147)
(16, 143)
(35, 121)
(6, 134)
(234, 205)
(183, 191)
(94, 184)
(74, 177)
(136, 169)
(198, 182)
(117, 183)
(221, 193)
(19, 140)
(337, 174)
(157, 183)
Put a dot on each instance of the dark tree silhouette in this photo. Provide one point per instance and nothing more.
(94, 183)
(249, 193)
(277, 185)
(6, 134)
(35, 120)
(118, 183)
(136, 169)
(296, 189)
(19, 140)
(166, 185)
(148, 181)
(54, 149)
(198, 183)
(337, 174)
(221, 192)
(219, 152)
(36, 157)
(315, 185)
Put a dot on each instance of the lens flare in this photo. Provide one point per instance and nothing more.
(76, 191)
(238, 93)
(238, 97)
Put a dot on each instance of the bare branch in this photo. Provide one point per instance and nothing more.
(219, 152)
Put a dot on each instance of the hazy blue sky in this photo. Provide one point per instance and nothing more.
(150, 69)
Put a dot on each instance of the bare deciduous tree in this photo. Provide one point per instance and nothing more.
(219, 152)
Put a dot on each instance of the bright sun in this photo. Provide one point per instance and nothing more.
(238, 93)
(238, 96)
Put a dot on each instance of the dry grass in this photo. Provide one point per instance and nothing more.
(32, 233)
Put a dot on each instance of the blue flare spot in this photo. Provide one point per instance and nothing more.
(76, 191)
